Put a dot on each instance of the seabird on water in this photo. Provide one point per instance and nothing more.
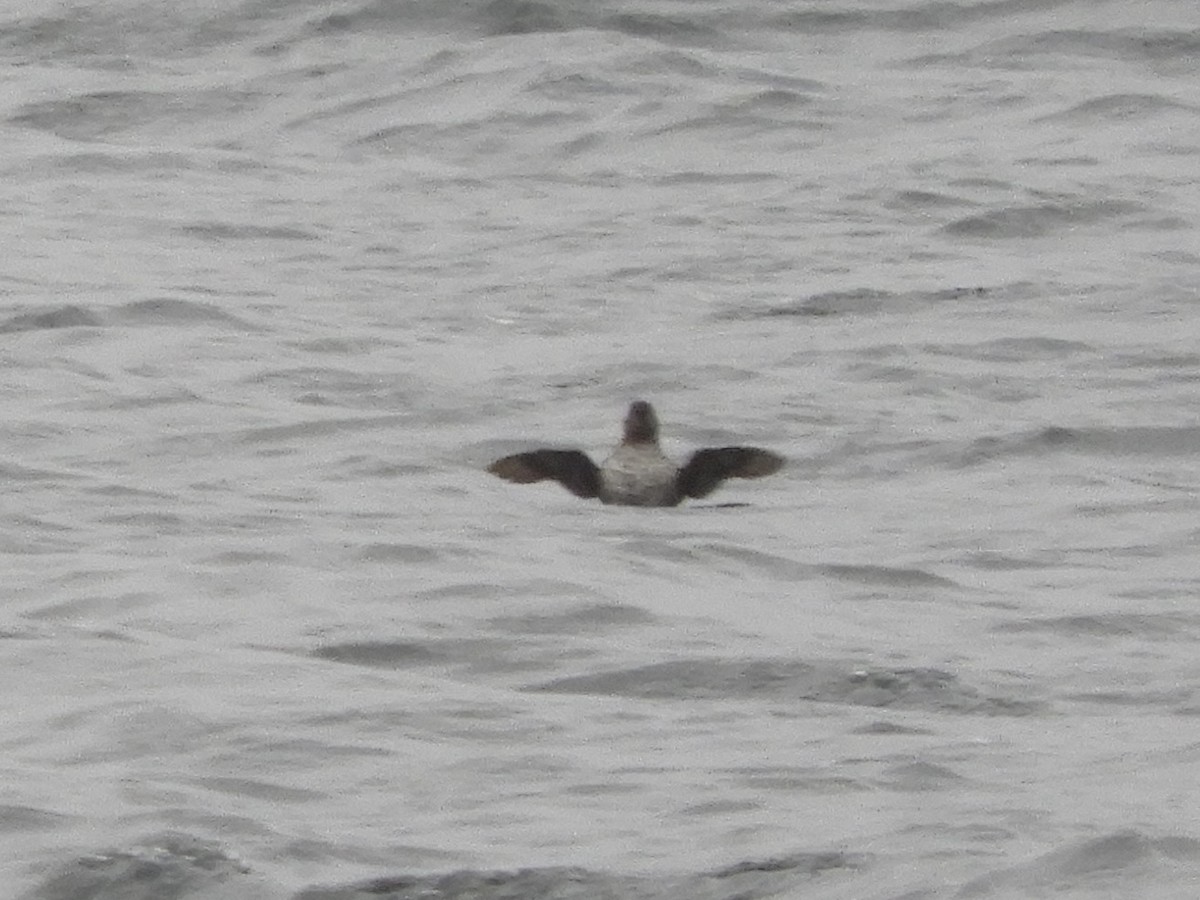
(637, 473)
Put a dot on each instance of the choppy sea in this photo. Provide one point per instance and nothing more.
(281, 277)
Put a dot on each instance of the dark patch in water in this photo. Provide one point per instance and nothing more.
(888, 577)
(62, 317)
(1161, 625)
(791, 681)
(1095, 867)
(21, 819)
(889, 728)
(585, 618)
(1040, 219)
(169, 311)
(919, 776)
(167, 867)
(1013, 349)
(380, 654)
(398, 553)
(174, 866)
(867, 301)
(522, 17)
(475, 656)
(1118, 107)
(740, 881)
(241, 231)
(669, 29)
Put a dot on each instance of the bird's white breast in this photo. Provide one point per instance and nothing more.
(638, 475)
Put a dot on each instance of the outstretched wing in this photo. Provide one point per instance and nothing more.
(707, 468)
(573, 469)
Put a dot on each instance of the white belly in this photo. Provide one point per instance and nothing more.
(638, 475)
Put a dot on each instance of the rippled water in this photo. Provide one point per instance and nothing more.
(282, 277)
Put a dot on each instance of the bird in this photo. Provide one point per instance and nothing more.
(637, 473)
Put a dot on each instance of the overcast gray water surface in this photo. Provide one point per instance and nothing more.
(281, 277)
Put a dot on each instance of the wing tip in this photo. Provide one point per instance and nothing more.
(710, 467)
(761, 463)
(573, 469)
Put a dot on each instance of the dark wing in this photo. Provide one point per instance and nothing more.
(573, 469)
(707, 468)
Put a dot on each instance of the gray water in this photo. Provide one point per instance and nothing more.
(281, 277)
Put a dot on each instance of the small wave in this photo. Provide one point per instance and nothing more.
(155, 311)
(1167, 47)
(169, 311)
(829, 303)
(925, 201)
(384, 15)
(110, 35)
(668, 29)
(22, 819)
(478, 590)
(752, 878)
(1155, 626)
(305, 430)
(168, 865)
(758, 111)
(1002, 562)
(872, 301)
(583, 619)
(177, 865)
(122, 161)
(932, 15)
(524, 17)
(1038, 220)
(1131, 441)
(1014, 349)
(478, 656)
(241, 231)
(512, 17)
(715, 554)
(381, 654)
(58, 317)
(256, 788)
(1114, 865)
(920, 776)
(403, 554)
(340, 387)
(94, 607)
(1118, 107)
(790, 681)
(888, 576)
(94, 116)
